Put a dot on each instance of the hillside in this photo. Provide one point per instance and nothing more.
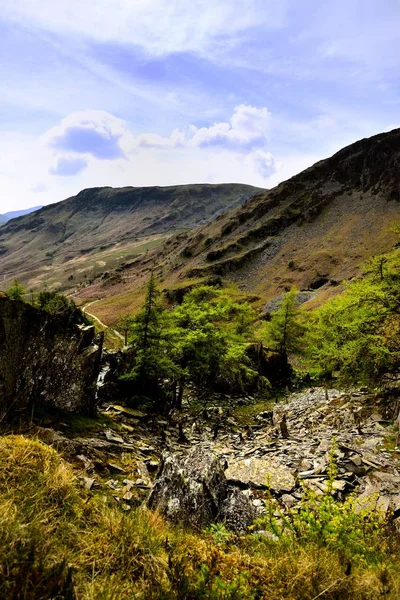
(99, 228)
(13, 214)
(312, 231)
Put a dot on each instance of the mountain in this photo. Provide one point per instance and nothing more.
(312, 231)
(100, 228)
(17, 213)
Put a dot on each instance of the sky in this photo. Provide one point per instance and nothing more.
(166, 92)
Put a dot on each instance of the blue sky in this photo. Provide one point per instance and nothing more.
(162, 92)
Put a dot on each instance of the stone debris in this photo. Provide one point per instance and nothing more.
(88, 482)
(248, 461)
(194, 491)
(112, 437)
(261, 458)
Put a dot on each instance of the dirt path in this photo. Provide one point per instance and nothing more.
(84, 309)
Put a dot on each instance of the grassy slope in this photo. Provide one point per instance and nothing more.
(323, 223)
(55, 536)
(72, 241)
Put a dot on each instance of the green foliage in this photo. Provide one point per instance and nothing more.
(284, 333)
(285, 330)
(52, 302)
(219, 533)
(16, 291)
(203, 340)
(148, 336)
(357, 333)
(346, 527)
(209, 335)
(57, 304)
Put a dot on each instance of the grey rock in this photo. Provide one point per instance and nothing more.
(112, 437)
(44, 359)
(190, 491)
(237, 511)
(88, 482)
(193, 491)
(115, 468)
(261, 473)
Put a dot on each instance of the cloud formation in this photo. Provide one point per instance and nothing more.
(38, 188)
(246, 129)
(158, 26)
(68, 166)
(95, 133)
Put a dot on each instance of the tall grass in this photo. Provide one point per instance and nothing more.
(59, 542)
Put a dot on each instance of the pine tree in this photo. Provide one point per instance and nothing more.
(285, 329)
(148, 338)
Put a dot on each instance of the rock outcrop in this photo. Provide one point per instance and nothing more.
(193, 491)
(45, 360)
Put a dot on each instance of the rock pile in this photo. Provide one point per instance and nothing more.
(223, 471)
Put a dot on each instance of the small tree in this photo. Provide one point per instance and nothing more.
(125, 324)
(148, 337)
(16, 291)
(209, 335)
(285, 331)
(356, 333)
(57, 304)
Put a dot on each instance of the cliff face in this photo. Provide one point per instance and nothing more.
(44, 360)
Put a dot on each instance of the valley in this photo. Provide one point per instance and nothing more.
(250, 426)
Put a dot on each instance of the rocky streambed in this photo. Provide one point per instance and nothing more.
(215, 464)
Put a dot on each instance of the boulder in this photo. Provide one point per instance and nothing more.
(193, 491)
(261, 473)
(44, 359)
(237, 512)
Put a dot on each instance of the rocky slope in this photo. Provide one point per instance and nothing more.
(234, 456)
(45, 360)
(100, 228)
(312, 231)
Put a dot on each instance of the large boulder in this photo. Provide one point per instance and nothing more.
(261, 473)
(45, 360)
(193, 491)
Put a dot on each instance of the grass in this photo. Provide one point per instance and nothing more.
(244, 415)
(60, 542)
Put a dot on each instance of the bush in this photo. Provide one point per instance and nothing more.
(321, 520)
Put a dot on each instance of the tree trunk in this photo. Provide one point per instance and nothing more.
(179, 396)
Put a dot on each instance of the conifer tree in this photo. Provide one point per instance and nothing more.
(16, 291)
(285, 330)
(148, 338)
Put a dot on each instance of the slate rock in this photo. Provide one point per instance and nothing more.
(190, 491)
(261, 473)
(237, 512)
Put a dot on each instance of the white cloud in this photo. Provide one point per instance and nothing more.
(263, 163)
(94, 148)
(158, 26)
(92, 132)
(247, 129)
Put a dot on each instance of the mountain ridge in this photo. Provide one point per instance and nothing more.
(117, 220)
(312, 231)
(13, 214)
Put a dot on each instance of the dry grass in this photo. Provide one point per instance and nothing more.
(59, 542)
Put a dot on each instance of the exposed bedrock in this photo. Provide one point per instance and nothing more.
(45, 360)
